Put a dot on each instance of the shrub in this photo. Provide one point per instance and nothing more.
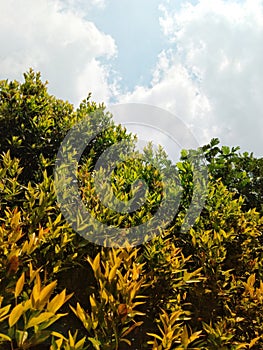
(183, 289)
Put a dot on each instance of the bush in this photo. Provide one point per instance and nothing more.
(195, 289)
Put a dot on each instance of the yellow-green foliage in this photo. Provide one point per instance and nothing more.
(27, 319)
(120, 279)
(195, 289)
(174, 334)
(70, 343)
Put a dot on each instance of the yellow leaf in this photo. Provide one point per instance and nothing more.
(58, 335)
(46, 292)
(253, 342)
(15, 314)
(96, 343)
(195, 336)
(57, 302)
(15, 220)
(104, 296)
(92, 302)
(19, 285)
(71, 340)
(21, 337)
(59, 343)
(126, 341)
(3, 312)
(27, 305)
(5, 337)
(95, 264)
(33, 273)
(37, 287)
(80, 343)
(34, 321)
(112, 273)
(79, 312)
(155, 336)
(251, 280)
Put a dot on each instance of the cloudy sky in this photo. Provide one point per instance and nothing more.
(201, 60)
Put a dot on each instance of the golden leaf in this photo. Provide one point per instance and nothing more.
(19, 285)
(15, 314)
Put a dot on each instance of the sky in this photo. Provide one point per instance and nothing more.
(200, 60)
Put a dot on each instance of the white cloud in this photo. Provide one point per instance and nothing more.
(83, 6)
(212, 75)
(173, 89)
(60, 43)
(99, 3)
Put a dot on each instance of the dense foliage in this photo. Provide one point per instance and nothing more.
(195, 289)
